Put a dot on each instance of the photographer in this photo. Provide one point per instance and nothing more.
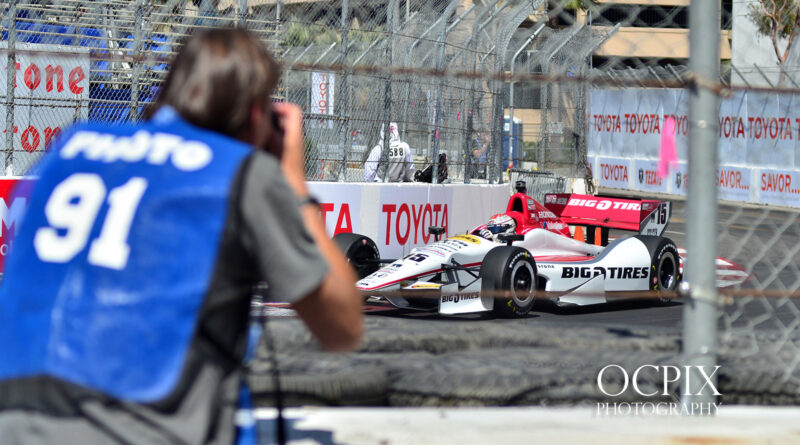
(125, 304)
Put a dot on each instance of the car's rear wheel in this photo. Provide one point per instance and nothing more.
(665, 273)
(361, 252)
(509, 274)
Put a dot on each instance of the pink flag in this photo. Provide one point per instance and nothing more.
(668, 154)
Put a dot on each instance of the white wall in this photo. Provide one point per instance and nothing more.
(397, 216)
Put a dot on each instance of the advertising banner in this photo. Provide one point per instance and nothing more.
(397, 216)
(322, 97)
(759, 140)
(50, 92)
(627, 123)
(340, 206)
(322, 92)
(755, 128)
(405, 215)
(11, 211)
(679, 179)
(647, 178)
(614, 172)
(780, 187)
(733, 183)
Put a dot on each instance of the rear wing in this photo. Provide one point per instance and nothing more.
(648, 217)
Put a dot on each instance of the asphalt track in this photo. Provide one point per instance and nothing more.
(553, 356)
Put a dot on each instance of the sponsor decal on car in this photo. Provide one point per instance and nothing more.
(615, 273)
(604, 204)
(436, 252)
(450, 245)
(472, 239)
(425, 286)
(460, 297)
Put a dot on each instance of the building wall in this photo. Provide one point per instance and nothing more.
(662, 43)
(750, 49)
(654, 42)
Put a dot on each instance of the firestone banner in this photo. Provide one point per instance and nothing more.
(759, 143)
(50, 92)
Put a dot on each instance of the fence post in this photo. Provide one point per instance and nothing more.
(472, 100)
(138, 45)
(344, 121)
(391, 25)
(700, 310)
(505, 32)
(11, 76)
(512, 137)
(440, 89)
(241, 12)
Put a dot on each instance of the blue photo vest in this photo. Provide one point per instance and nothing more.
(114, 256)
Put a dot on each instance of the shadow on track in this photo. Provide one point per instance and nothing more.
(387, 310)
(550, 307)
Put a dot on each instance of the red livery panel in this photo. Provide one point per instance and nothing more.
(615, 213)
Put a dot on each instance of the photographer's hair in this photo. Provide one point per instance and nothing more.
(216, 77)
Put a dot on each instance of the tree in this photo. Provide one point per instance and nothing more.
(779, 20)
(562, 12)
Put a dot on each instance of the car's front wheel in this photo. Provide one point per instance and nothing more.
(508, 273)
(360, 251)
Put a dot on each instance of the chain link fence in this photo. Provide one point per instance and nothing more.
(354, 67)
(759, 323)
(544, 85)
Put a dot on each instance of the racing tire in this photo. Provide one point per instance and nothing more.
(665, 273)
(511, 269)
(361, 252)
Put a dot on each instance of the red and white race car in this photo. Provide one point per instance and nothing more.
(501, 266)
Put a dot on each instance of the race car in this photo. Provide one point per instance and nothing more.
(530, 248)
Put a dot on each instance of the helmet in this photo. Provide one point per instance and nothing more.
(500, 224)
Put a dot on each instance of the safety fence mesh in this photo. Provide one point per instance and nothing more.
(504, 90)
(760, 317)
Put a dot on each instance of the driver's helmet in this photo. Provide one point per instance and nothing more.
(500, 224)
